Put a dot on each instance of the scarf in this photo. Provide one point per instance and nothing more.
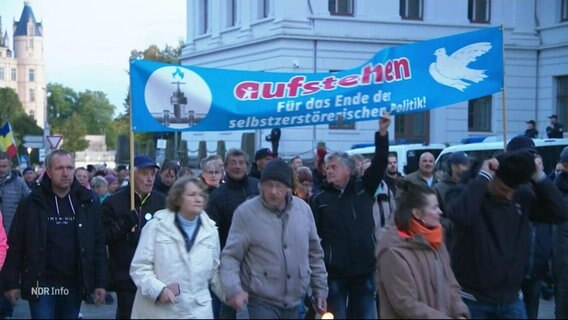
(434, 236)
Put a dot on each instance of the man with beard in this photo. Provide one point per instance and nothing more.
(392, 172)
(458, 163)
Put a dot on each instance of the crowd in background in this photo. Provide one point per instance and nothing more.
(270, 238)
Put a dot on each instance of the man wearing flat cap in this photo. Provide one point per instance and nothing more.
(555, 129)
(273, 252)
(123, 227)
(531, 131)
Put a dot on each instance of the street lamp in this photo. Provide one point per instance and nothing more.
(30, 156)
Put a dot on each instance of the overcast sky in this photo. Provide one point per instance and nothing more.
(87, 43)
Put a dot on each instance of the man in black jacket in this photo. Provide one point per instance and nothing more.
(491, 227)
(123, 227)
(560, 246)
(238, 187)
(56, 254)
(343, 211)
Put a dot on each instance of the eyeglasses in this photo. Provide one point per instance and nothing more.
(213, 173)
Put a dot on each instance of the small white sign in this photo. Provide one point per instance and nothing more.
(41, 155)
(161, 144)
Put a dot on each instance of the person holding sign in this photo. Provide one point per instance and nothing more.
(177, 258)
(123, 226)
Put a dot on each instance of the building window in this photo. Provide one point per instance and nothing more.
(479, 114)
(562, 99)
(263, 8)
(341, 7)
(564, 11)
(204, 16)
(479, 11)
(1, 73)
(342, 125)
(32, 95)
(411, 9)
(231, 13)
(31, 75)
(13, 75)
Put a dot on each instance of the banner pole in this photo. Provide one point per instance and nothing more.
(503, 103)
(131, 171)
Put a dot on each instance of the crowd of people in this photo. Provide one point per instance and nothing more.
(277, 239)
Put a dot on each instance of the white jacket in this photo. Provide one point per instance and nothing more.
(161, 259)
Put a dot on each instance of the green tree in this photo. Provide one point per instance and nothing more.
(10, 106)
(61, 102)
(95, 109)
(74, 134)
(11, 110)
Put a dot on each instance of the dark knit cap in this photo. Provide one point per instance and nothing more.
(521, 143)
(277, 170)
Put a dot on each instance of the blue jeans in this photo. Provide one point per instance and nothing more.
(61, 306)
(486, 310)
(6, 308)
(352, 298)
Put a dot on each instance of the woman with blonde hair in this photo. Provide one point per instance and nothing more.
(177, 258)
(414, 277)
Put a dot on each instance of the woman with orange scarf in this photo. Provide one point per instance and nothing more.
(414, 276)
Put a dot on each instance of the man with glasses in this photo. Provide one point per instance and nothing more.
(273, 252)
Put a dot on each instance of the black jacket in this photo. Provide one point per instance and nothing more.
(26, 259)
(223, 202)
(118, 222)
(561, 233)
(491, 238)
(344, 219)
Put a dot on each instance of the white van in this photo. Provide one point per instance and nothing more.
(408, 155)
(549, 149)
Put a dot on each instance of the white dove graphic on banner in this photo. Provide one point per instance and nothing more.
(452, 71)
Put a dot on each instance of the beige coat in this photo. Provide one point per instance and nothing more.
(161, 259)
(274, 256)
(415, 281)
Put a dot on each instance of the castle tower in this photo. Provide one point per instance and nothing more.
(30, 73)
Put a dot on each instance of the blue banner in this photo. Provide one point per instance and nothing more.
(402, 79)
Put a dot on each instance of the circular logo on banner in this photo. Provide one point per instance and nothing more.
(176, 97)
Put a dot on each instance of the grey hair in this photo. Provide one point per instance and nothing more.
(98, 181)
(234, 152)
(204, 161)
(343, 158)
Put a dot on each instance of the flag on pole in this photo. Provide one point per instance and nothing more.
(7, 142)
(401, 79)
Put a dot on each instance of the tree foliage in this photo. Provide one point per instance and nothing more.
(11, 110)
(77, 114)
